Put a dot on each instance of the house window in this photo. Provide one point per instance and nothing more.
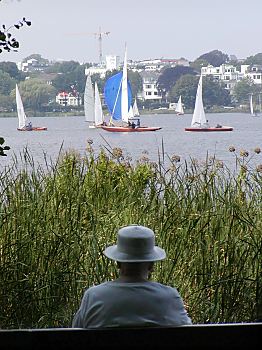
(148, 86)
(148, 93)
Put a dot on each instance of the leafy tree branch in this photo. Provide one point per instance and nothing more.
(7, 41)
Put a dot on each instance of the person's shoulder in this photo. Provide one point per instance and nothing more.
(164, 287)
(97, 287)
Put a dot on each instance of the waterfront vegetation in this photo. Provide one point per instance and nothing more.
(57, 219)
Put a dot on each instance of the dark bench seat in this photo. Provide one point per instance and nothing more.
(215, 336)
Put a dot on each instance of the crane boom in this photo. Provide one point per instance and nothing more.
(98, 35)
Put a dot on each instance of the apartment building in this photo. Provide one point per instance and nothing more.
(230, 76)
(149, 91)
(255, 73)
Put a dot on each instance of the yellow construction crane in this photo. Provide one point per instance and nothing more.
(98, 35)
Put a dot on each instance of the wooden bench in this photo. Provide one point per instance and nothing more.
(202, 336)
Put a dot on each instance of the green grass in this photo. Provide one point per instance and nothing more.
(55, 222)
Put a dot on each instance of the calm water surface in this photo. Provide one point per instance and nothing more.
(73, 133)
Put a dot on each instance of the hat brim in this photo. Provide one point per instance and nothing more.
(113, 253)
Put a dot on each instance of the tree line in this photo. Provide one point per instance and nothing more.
(70, 76)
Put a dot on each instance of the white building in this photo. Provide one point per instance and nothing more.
(68, 99)
(231, 76)
(32, 65)
(112, 62)
(255, 73)
(226, 73)
(150, 91)
(155, 65)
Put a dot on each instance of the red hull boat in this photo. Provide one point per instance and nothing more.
(129, 129)
(208, 129)
(34, 128)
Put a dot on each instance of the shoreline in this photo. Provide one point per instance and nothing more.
(142, 112)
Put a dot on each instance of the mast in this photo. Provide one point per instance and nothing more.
(124, 96)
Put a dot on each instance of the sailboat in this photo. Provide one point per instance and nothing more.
(254, 112)
(92, 105)
(24, 124)
(179, 107)
(135, 109)
(89, 102)
(199, 121)
(99, 115)
(251, 105)
(118, 98)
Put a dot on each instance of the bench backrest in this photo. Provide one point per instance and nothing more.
(215, 336)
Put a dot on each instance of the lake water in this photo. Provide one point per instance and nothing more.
(73, 133)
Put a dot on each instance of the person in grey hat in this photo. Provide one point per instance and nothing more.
(132, 300)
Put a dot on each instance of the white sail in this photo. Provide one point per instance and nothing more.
(99, 116)
(199, 117)
(22, 118)
(179, 107)
(251, 104)
(131, 113)
(135, 109)
(89, 101)
(124, 92)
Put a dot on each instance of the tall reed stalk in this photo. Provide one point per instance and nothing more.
(55, 222)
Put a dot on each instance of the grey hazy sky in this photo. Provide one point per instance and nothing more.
(62, 29)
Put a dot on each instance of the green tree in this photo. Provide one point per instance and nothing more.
(198, 64)
(214, 93)
(74, 77)
(170, 76)
(253, 60)
(12, 70)
(7, 84)
(35, 93)
(215, 58)
(242, 90)
(136, 82)
(186, 86)
(6, 103)
(63, 67)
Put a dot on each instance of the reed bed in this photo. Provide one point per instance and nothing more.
(56, 220)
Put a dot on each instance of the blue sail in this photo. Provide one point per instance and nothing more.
(112, 93)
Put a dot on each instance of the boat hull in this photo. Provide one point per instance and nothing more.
(94, 126)
(34, 128)
(129, 129)
(210, 129)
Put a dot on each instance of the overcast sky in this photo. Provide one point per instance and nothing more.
(63, 29)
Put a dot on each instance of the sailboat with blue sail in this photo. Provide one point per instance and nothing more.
(118, 98)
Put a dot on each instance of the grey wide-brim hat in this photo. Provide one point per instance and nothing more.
(135, 244)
